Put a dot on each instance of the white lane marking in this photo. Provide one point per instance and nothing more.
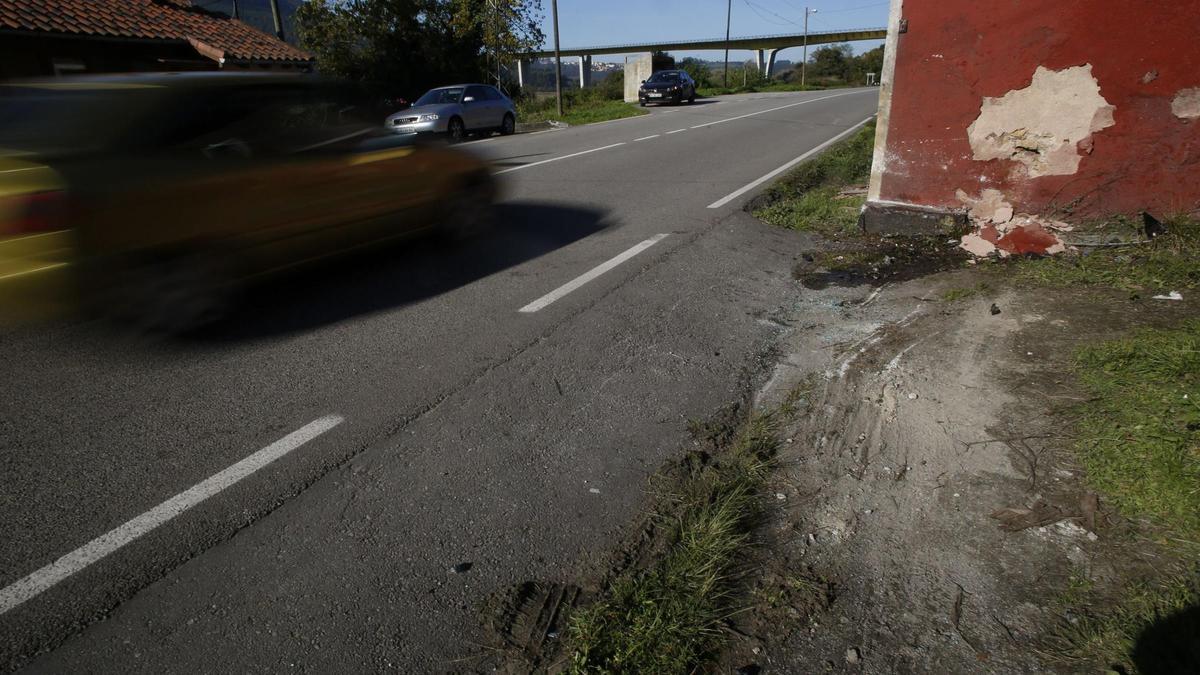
(543, 131)
(763, 112)
(96, 549)
(668, 112)
(555, 159)
(645, 138)
(755, 183)
(32, 270)
(574, 284)
(675, 132)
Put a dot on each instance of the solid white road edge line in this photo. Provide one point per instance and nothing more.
(755, 183)
(763, 112)
(96, 549)
(574, 284)
(675, 132)
(645, 138)
(555, 159)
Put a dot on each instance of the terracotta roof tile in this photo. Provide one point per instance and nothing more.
(152, 19)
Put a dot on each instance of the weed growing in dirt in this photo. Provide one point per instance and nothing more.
(962, 293)
(1170, 261)
(1140, 436)
(1108, 640)
(667, 618)
(810, 196)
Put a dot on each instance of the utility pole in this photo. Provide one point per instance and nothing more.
(728, 14)
(804, 61)
(557, 59)
(278, 19)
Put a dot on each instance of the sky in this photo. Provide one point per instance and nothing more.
(584, 23)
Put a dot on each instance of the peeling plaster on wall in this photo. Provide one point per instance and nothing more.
(999, 232)
(1041, 125)
(989, 207)
(1186, 104)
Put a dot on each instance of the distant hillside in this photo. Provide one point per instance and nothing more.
(257, 13)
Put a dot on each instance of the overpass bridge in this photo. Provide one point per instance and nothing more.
(766, 48)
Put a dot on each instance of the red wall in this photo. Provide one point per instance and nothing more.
(954, 53)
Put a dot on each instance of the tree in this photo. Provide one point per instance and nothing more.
(698, 70)
(868, 62)
(505, 28)
(401, 47)
(831, 61)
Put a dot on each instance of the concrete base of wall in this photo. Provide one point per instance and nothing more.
(894, 218)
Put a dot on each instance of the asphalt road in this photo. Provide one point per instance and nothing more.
(455, 427)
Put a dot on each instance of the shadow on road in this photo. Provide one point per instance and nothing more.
(402, 274)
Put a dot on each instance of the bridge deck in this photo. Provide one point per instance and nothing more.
(754, 42)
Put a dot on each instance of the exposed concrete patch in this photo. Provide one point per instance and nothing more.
(989, 207)
(1186, 104)
(1042, 125)
(999, 232)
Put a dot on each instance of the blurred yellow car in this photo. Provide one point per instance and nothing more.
(154, 197)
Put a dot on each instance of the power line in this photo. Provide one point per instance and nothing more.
(755, 8)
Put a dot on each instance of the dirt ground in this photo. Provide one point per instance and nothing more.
(930, 424)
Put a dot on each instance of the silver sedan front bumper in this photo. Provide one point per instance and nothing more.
(403, 125)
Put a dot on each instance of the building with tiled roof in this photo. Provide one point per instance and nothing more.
(52, 37)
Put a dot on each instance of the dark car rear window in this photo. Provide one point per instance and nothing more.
(51, 119)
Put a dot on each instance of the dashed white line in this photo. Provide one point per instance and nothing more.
(755, 183)
(645, 138)
(675, 132)
(763, 112)
(96, 549)
(577, 282)
(555, 159)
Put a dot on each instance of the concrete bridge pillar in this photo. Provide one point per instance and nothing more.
(585, 72)
(522, 72)
(758, 60)
(770, 69)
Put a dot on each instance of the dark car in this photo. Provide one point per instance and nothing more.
(674, 86)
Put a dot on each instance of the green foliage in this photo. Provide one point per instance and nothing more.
(667, 619)
(1140, 435)
(1169, 262)
(831, 61)
(612, 87)
(808, 197)
(838, 64)
(505, 28)
(962, 293)
(580, 106)
(698, 70)
(1104, 637)
(405, 47)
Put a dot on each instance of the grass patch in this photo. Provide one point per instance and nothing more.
(1139, 442)
(668, 617)
(810, 196)
(1108, 640)
(755, 88)
(962, 293)
(1168, 262)
(1140, 438)
(578, 108)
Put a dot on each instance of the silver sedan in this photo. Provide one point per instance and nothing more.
(457, 111)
